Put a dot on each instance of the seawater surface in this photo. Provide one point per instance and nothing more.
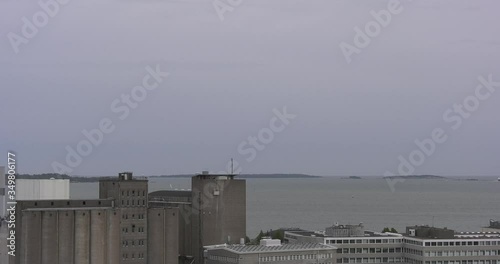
(320, 202)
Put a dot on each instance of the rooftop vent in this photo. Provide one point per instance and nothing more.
(268, 242)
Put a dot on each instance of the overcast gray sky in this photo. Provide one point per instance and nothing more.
(226, 77)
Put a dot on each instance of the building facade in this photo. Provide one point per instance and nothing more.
(183, 200)
(130, 196)
(371, 247)
(117, 229)
(218, 213)
(269, 252)
(419, 245)
(213, 212)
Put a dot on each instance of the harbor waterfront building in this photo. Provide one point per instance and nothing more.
(118, 228)
(213, 212)
(419, 245)
(271, 251)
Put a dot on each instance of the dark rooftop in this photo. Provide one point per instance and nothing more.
(171, 193)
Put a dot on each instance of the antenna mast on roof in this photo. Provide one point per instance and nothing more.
(232, 167)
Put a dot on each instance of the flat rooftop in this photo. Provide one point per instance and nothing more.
(171, 193)
(250, 249)
(67, 209)
(317, 234)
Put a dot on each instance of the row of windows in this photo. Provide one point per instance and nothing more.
(134, 193)
(133, 229)
(364, 241)
(368, 250)
(126, 256)
(464, 262)
(133, 216)
(296, 257)
(413, 261)
(413, 242)
(223, 259)
(459, 253)
(134, 202)
(413, 251)
(133, 243)
(368, 260)
(462, 243)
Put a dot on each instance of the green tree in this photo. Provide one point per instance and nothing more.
(391, 230)
(259, 236)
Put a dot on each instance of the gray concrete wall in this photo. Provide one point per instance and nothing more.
(172, 235)
(156, 218)
(31, 251)
(163, 237)
(49, 237)
(113, 243)
(98, 237)
(82, 237)
(66, 236)
(220, 211)
(70, 237)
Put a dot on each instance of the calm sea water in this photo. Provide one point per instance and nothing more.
(318, 203)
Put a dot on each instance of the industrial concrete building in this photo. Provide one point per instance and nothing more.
(183, 201)
(47, 189)
(212, 213)
(131, 196)
(218, 212)
(271, 251)
(419, 245)
(111, 230)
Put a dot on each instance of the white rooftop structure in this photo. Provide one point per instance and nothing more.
(268, 242)
(53, 189)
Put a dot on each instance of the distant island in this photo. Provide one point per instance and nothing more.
(45, 176)
(251, 176)
(417, 177)
(352, 178)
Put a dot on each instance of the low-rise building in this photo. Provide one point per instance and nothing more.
(419, 245)
(371, 247)
(493, 227)
(269, 252)
(429, 245)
